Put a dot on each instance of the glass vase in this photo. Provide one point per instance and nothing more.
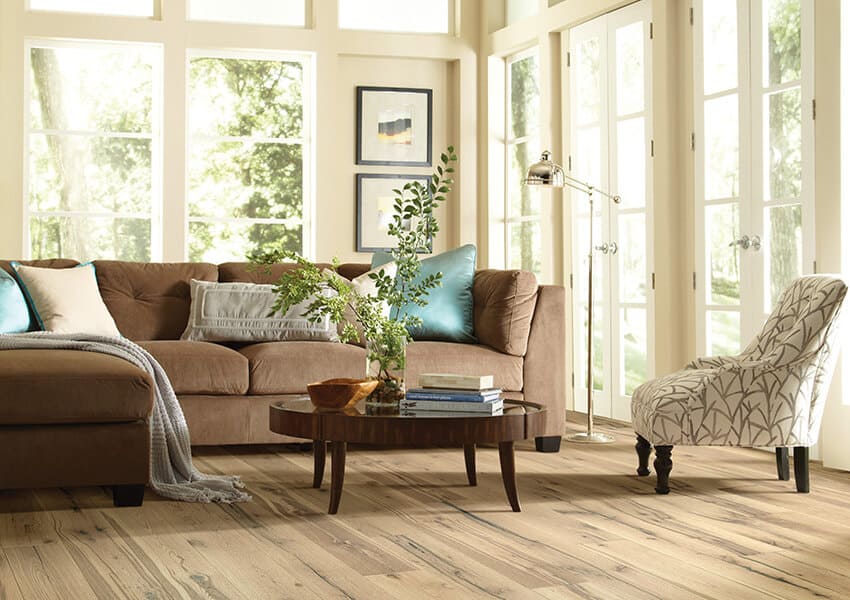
(385, 361)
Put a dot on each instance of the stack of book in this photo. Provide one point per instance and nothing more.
(449, 393)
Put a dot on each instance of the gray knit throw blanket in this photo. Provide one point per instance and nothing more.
(172, 473)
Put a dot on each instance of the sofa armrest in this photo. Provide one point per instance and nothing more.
(544, 370)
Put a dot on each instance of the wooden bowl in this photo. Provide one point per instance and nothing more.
(338, 394)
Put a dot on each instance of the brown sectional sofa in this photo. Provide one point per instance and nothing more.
(71, 418)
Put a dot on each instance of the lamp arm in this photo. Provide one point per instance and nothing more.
(585, 187)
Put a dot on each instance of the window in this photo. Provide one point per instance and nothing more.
(93, 148)
(262, 12)
(249, 127)
(129, 8)
(415, 16)
(523, 245)
(517, 10)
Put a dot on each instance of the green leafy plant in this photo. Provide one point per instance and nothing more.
(413, 225)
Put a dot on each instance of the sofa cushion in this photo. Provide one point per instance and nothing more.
(200, 367)
(49, 263)
(287, 367)
(14, 312)
(150, 301)
(464, 359)
(245, 272)
(504, 305)
(47, 387)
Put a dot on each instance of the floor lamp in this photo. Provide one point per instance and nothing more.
(547, 173)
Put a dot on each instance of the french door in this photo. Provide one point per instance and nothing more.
(754, 143)
(610, 147)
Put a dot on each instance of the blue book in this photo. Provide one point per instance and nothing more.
(454, 395)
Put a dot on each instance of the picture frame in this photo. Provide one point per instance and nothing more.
(375, 200)
(394, 126)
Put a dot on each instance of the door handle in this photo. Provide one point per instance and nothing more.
(608, 247)
(756, 243)
(743, 241)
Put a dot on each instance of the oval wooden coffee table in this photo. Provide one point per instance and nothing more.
(298, 418)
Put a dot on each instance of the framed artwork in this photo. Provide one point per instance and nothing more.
(375, 210)
(393, 126)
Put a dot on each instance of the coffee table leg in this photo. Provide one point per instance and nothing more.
(337, 475)
(469, 455)
(506, 459)
(319, 452)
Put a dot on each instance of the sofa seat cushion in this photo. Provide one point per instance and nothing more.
(464, 359)
(200, 367)
(287, 367)
(51, 387)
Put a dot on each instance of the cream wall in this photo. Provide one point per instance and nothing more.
(344, 59)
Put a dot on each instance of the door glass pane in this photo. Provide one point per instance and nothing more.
(587, 162)
(630, 73)
(633, 349)
(783, 41)
(784, 164)
(721, 147)
(523, 200)
(721, 229)
(580, 277)
(581, 348)
(631, 163)
(588, 82)
(784, 249)
(720, 45)
(218, 242)
(724, 333)
(128, 8)
(262, 12)
(524, 97)
(89, 238)
(632, 255)
(526, 246)
(416, 16)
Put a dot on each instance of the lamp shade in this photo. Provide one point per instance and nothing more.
(545, 172)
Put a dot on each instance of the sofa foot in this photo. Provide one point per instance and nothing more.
(128, 495)
(549, 443)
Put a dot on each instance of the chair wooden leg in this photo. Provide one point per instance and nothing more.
(663, 465)
(801, 469)
(643, 449)
(782, 470)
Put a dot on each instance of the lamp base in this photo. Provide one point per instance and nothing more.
(590, 438)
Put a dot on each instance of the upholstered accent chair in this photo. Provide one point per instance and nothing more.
(771, 394)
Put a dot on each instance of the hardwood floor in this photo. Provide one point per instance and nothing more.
(409, 526)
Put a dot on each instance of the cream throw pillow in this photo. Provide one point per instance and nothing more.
(239, 312)
(66, 300)
(365, 286)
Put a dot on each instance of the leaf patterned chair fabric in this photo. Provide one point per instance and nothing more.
(771, 394)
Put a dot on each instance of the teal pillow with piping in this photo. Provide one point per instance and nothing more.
(448, 315)
(14, 313)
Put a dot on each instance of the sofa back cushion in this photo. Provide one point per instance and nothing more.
(243, 272)
(150, 301)
(504, 305)
(49, 263)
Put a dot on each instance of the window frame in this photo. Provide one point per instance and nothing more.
(308, 208)
(155, 136)
(452, 23)
(510, 143)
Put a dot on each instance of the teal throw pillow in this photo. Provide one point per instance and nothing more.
(14, 313)
(448, 315)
